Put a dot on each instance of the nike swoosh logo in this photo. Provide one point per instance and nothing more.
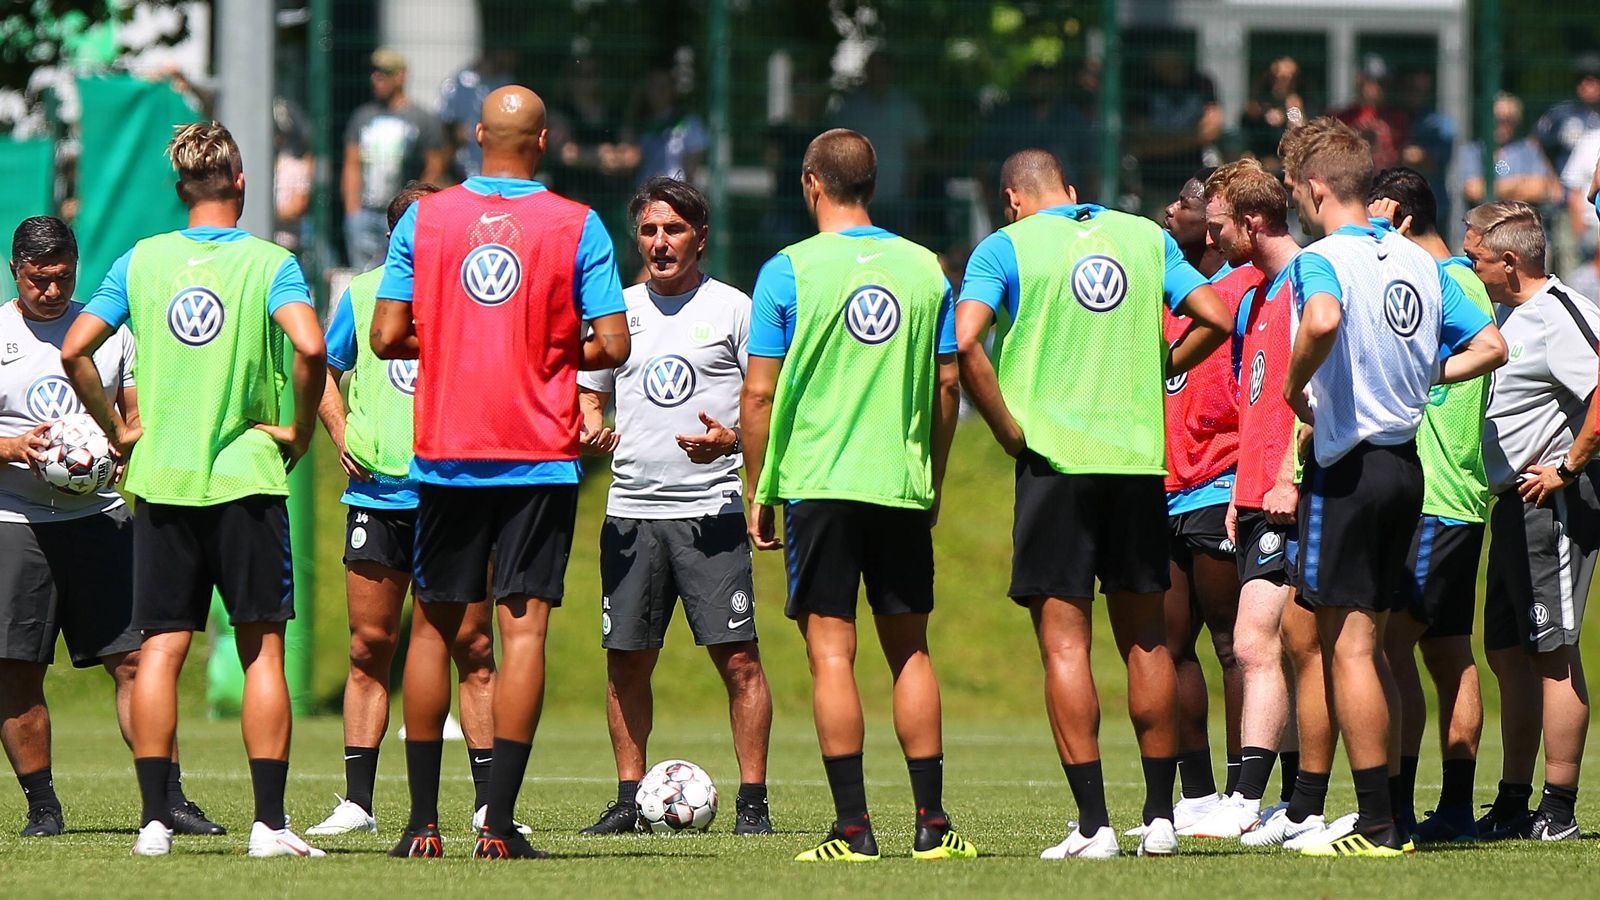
(8, 361)
(1263, 560)
(491, 218)
(1262, 327)
(864, 258)
(484, 760)
(357, 756)
(735, 623)
(201, 261)
(1563, 834)
(1248, 758)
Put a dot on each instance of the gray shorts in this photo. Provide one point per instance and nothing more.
(647, 564)
(1540, 563)
(73, 578)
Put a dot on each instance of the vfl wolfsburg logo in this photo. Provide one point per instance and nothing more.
(195, 316)
(872, 314)
(1258, 375)
(403, 375)
(50, 398)
(1402, 306)
(491, 274)
(1099, 283)
(668, 381)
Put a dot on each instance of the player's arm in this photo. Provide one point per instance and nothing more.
(393, 332)
(946, 413)
(973, 321)
(599, 297)
(608, 344)
(342, 350)
(1283, 498)
(1311, 276)
(1484, 352)
(87, 333)
(308, 379)
(755, 421)
(595, 436)
(1476, 345)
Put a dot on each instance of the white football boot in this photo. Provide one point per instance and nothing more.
(483, 813)
(345, 818)
(1232, 817)
(1186, 812)
(1278, 829)
(1334, 830)
(265, 842)
(1159, 839)
(155, 839)
(1101, 845)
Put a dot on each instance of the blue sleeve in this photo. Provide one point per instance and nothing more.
(1459, 318)
(598, 287)
(341, 336)
(110, 300)
(288, 286)
(1311, 273)
(991, 277)
(772, 308)
(1597, 204)
(947, 320)
(1181, 278)
(398, 266)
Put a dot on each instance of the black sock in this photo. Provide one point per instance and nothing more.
(1160, 773)
(1254, 770)
(268, 777)
(1194, 771)
(39, 789)
(753, 793)
(1235, 764)
(1458, 777)
(175, 796)
(1558, 803)
(505, 782)
(152, 774)
(1512, 799)
(1403, 790)
(1372, 797)
(360, 774)
(1309, 797)
(927, 787)
(627, 793)
(849, 788)
(423, 759)
(1089, 793)
(1288, 770)
(480, 761)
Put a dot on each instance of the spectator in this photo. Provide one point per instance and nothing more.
(1277, 103)
(292, 171)
(1431, 144)
(1521, 171)
(1582, 216)
(1175, 122)
(889, 117)
(388, 142)
(461, 99)
(672, 140)
(1565, 124)
(1381, 125)
(1035, 116)
(785, 220)
(591, 161)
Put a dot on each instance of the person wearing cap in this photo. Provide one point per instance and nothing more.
(389, 142)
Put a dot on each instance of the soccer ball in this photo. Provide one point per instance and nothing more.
(78, 460)
(677, 795)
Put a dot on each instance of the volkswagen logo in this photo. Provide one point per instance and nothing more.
(668, 381)
(195, 316)
(1176, 382)
(51, 398)
(1258, 375)
(403, 375)
(872, 314)
(1402, 306)
(1099, 283)
(491, 274)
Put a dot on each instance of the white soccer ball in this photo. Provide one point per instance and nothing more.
(78, 460)
(677, 795)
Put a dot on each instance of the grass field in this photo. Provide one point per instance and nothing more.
(1004, 785)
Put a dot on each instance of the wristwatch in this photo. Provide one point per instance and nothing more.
(738, 444)
(1564, 473)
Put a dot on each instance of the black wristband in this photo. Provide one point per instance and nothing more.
(1565, 473)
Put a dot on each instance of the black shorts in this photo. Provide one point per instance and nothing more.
(1203, 530)
(1266, 551)
(647, 564)
(72, 578)
(1358, 517)
(833, 546)
(1069, 530)
(386, 537)
(1442, 592)
(525, 530)
(1541, 565)
(240, 548)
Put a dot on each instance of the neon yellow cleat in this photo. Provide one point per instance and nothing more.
(859, 847)
(1357, 844)
(950, 846)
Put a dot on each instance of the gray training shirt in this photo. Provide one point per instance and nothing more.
(688, 357)
(34, 389)
(1538, 399)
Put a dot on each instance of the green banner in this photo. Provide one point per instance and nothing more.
(27, 168)
(125, 183)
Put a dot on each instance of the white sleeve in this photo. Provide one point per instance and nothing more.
(741, 332)
(602, 380)
(1568, 354)
(127, 355)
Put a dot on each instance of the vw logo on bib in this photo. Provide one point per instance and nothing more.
(195, 316)
(51, 398)
(1176, 382)
(1099, 283)
(872, 314)
(1258, 374)
(491, 274)
(668, 381)
(403, 375)
(1402, 306)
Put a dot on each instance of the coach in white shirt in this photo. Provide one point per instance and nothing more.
(1539, 438)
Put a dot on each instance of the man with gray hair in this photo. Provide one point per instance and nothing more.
(1538, 441)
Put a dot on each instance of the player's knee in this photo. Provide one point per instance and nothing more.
(371, 650)
(123, 668)
(742, 671)
(474, 655)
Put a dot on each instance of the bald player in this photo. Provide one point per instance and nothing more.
(475, 290)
